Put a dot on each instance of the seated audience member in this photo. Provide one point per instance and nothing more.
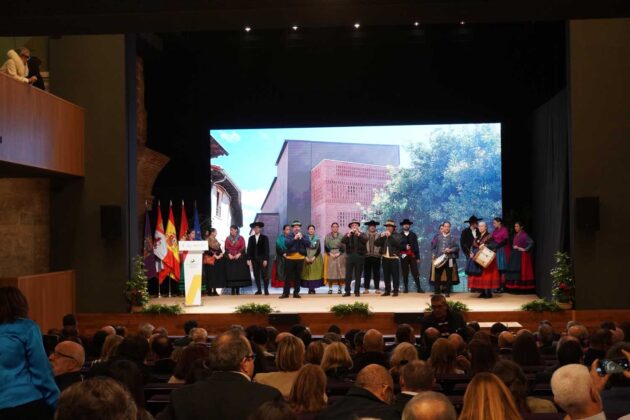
(429, 406)
(348, 338)
(133, 348)
(599, 343)
(402, 354)
(545, 338)
(228, 393)
(95, 347)
(514, 378)
(190, 354)
(185, 340)
(199, 336)
(443, 319)
(110, 330)
(415, 377)
(373, 352)
(474, 325)
(486, 398)
(70, 328)
(525, 351)
(483, 357)
(16, 65)
(462, 360)
(27, 384)
(579, 331)
(358, 343)
(258, 336)
(146, 330)
(616, 396)
(370, 397)
(506, 342)
(127, 374)
(162, 350)
(303, 333)
(159, 330)
(308, 394)
(67, 361)
(272, 333)
(336, 362)
(443, 358)
(97, 398)
(274, 410)
(289, 360)
(617, 336)
(315, 352)
(110, 348)
(576, 390)
(429, 336)
(569, 351)
(404, 334)
(334, 328)
(625, 327)
(331, 337)
(496, 329)
(121, 330)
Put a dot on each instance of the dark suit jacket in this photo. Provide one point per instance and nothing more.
(411, 240)
(223, 395)
(401, 401)
(359, 403)
(260, 251)
(393, 243)
(466, 241)
(361, 360)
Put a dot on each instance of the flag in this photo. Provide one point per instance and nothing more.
(197, 225)
(171, 260)
(148, 253)
(159, 243)
(183, 228)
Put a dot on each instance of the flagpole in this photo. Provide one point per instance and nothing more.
(169, 286)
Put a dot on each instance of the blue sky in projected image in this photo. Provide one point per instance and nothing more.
(253, 152)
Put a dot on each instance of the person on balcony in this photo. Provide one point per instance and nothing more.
(16, 65)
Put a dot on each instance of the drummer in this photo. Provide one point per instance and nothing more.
(445, 244)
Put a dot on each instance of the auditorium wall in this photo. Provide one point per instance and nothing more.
(93, 72)
(600, 150)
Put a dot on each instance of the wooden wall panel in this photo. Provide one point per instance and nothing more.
(39, 129)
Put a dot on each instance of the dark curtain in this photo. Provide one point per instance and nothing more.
(550, 189)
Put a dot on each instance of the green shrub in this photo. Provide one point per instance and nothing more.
(356, 308)
(254, 308)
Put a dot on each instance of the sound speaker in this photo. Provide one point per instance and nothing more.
(111, 222)
(284, 319)
(408, 317)
(587, 213)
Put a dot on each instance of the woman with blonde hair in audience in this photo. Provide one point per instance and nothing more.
(308, 394)
(514, 378)
(109, 347)
(289, 360)
(487, 398)
(443, 358)
(337, 361)
(402, 354)
(315, 352)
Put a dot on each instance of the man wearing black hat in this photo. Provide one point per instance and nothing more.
(372, 266)
(389, 243)
(354, 242)
(409, 256)
(258, 256)
(469, 235)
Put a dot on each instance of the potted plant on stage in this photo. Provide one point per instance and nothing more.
(136, 288)
(563, 283)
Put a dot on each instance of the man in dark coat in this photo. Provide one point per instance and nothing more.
(443, 319)
(370, 397)
(409, 256)
(415, 377)
(373, 352)
(258, 256)
(228, 393)
(469, 235)
(355, 242)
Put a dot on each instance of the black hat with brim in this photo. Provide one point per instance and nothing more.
(406, 222)
(259, 224)
(371, 223)
(473, 219)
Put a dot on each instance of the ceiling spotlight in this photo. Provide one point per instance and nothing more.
(247, 29)
(461, 22)
(416, 24)
(295, 27)
(357, 25)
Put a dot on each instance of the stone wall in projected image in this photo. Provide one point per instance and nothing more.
(339, 190)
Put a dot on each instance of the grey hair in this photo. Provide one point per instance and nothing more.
(427, 402)
(228, 351)
(571, 386)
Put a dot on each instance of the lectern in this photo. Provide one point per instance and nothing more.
(193, 264)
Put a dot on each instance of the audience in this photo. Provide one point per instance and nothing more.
(190, 354)
(506, 342)
(127, 374)
(599, 343)
(513, 377)
(482, 356)
(545, 338)
(228, 392)
(185, 340)
(162, 349)
(289, 360)
(27, 384)
(110, 347)
(429, 406)
(308, 394)
(274, 410)
(616, 396)
(96, 398)
(415, 377)
(303, 333)
(576, 391)
(199, 336)
(402, 354)
(336, 362)
(315, 352)
(370, 397)
(145, 330)
(373, 351)
(443, 358)
(486, 398)
(579, 331)
(525, 351)
(109, 329)
(66, 362)
(443, 319)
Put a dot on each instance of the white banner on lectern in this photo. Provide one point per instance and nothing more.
(193, 265)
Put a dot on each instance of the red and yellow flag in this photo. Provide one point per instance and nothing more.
(171, 260)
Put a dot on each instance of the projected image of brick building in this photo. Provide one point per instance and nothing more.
(340, 189)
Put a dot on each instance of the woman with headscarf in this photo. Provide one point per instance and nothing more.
(214, 265)
(489, 277)
(519, 277)
(501, 237)
(313, 269)
(237, 270)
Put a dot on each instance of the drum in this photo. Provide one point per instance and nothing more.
(484, 257)
(440, 261)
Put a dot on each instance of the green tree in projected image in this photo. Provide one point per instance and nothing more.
(456, 175)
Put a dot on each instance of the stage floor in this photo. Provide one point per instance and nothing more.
(321, 302)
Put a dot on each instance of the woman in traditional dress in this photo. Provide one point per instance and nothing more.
(213, 265)
(501, 237)
(489, 278)
(520, 272)
(277, 271)
(237, 270)
(334, 260)
(313, 269)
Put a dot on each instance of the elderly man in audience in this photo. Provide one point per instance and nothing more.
(109, 329)
(145, 330)
(199, 336)
(97, 398)
(576, 391)
(373, 351)
(443, 319)
(162, 349)
(228, 393)
(415, 377)
(185, 340)
(579, 331)
(370, 397)
(506, 341)
(429, 406)
(66, 362)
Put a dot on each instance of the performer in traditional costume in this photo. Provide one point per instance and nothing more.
(277, 272)
(488, 278)
(258, 257)
(335, 259)
(237, 270)
(446, 245)
(469, 234)
(296, 245)
(520, 272)
(313, 269)
(213, 265)
(372, 264)
(501, 236)
(409, 256)
(390, 247)
(354, 242)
